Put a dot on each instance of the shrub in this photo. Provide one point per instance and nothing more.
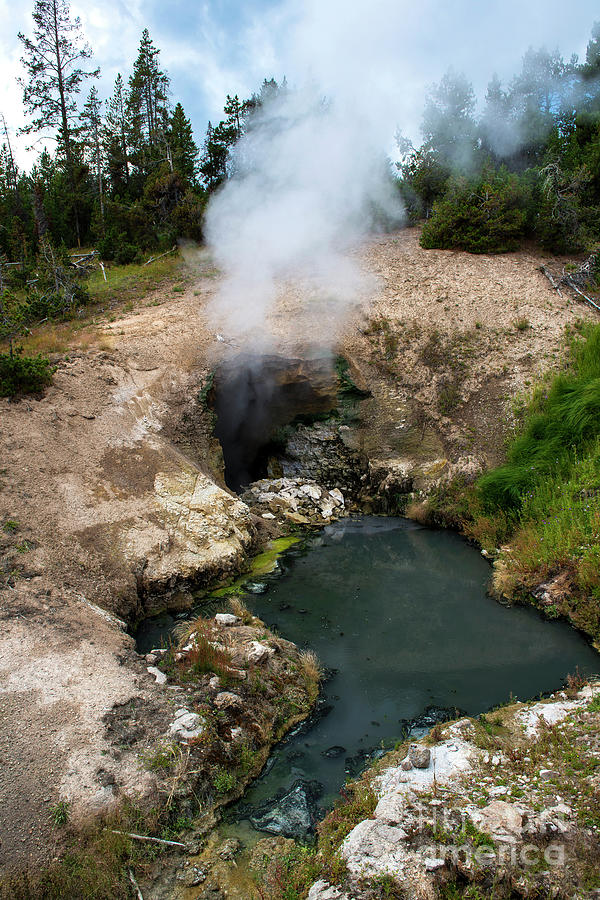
(24, 374)
(488, 214)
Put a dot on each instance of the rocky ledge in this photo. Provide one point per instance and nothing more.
(509, 801)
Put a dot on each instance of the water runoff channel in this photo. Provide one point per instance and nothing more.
(402, 624)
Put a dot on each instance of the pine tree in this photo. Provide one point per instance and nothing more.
(91, 117)
(180, 139)
(147, 106)
(54, 80)
(115, 138)
(448, 125)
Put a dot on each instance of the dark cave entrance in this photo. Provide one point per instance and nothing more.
(254, 397)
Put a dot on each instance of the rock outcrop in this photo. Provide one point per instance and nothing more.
(295, 500)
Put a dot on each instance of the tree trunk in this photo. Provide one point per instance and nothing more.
(65, 124)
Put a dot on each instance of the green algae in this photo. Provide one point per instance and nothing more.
(260, 565)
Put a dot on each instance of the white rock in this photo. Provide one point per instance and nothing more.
(227, 619)
(501, 820)
(214, 683)
(311, 490)
(431, 865)
(237, 733)
(326, 509)
(159, 676)
(267, 515)
(187, 726)
(391, 809)
(498, 790)
(321, 890)
(258, 653)
(373, 848)
(337, 497)
(548, 774)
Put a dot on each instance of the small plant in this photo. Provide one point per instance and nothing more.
(10, 526)
(310, 665)
(59, 813)
(575, 682)
(522, 323)
(223, 781)
(164, 758)
(25, 547)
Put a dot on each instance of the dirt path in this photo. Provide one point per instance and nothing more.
(82, 519)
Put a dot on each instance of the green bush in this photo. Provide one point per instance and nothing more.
(488, 214)
(24, 374)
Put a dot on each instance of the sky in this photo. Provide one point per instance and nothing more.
(387, 50)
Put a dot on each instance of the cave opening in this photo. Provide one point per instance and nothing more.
(255, 397)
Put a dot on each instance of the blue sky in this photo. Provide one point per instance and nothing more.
(387, 47)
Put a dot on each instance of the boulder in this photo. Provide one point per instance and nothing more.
(187, 725)
(419, 756)
(291, 815)
(258, 653)
(501, 820)
(373, 848)
(227, 700)
(227, 619)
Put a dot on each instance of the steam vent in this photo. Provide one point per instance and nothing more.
(255, 397)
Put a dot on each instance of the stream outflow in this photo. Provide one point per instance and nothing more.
(399, 617)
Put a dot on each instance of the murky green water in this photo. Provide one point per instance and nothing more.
(400, 617)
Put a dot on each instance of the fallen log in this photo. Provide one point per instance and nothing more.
(145, 837)
(135, 885)
(568, 280)
(551, 279)
(154, 258)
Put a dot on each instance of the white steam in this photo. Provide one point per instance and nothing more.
(310, 173)
(309, 178)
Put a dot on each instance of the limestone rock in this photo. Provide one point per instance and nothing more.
(502, 820)
(322, 890)
(259, 653)
(227, 619)
(374, 848)
(187, 725)
(160, 677)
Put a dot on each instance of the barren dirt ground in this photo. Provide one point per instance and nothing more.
(77, 470)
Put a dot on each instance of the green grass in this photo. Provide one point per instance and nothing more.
(133, 281)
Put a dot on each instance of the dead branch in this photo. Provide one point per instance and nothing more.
(145, 837)
(568, 280)
(154, 258)
(135, 885)
(551, 279)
